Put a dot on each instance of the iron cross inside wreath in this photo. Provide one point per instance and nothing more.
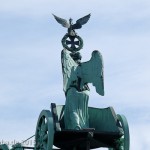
(71, 41)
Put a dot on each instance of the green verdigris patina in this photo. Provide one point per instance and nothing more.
(77, 75)
(76, 113)
(89, 128)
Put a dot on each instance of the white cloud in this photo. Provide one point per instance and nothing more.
(139, 137)
(44, 7)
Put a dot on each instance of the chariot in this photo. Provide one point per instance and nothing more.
(107, 129)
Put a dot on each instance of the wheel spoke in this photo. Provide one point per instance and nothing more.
(44, 127)
(43, 122)
(45, 137)
(45, 145)
(38, 131)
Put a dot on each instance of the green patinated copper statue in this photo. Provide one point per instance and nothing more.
(77, 75)
(75, 126)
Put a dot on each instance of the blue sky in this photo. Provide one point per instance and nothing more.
(30, 68)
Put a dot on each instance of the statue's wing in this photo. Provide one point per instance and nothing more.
(81, 22)
(62, 21)
(92, 72)
(69, 67)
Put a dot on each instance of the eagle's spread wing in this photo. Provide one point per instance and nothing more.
(68, 68)
(62, 21)
(81, 22)
(92, 72)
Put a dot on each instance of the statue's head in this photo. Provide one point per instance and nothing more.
(76, 56)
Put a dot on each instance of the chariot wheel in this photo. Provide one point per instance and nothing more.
(44, 131)
(124, 142)
(4, 147)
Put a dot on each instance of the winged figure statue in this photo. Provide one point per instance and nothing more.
(76, 76)
(71, 27)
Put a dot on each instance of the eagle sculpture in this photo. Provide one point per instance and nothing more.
(71, 27)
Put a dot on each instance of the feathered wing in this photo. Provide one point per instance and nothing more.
(81, 22)
(62, 21)
(92, 72)
(69, 67)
